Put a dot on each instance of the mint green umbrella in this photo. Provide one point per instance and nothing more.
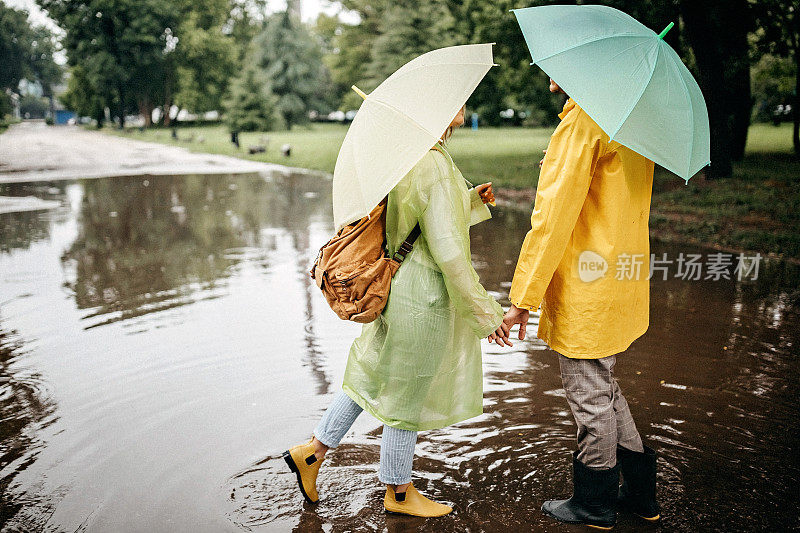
(626, 78)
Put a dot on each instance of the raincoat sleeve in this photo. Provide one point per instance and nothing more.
(478, 210)
(569, 164)
(445, 226)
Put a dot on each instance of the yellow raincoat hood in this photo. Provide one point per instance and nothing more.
(586, 259)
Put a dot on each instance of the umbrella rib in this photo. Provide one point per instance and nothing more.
(405, 115)
(409, 71)
(691, 106)
(638, 98)
(590, 41)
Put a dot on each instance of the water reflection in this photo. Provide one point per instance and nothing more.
(161, 343)
(25, 409)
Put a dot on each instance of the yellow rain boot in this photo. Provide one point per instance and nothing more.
(305, 465)
(413, 503)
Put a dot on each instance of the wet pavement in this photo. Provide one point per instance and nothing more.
(34, 151)
(161, 344)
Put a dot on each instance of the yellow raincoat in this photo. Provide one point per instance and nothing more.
(418, 365)
(592, 209)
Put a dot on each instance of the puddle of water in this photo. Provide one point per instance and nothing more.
(161, 344)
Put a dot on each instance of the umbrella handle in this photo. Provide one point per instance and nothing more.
(660, 35)
(361, 93)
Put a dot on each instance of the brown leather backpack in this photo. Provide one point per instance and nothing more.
(355, 272)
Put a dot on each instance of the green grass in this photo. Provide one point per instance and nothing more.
(766, 138)
(507, 156)
(758, 209)
(315, 146)
(5, 122)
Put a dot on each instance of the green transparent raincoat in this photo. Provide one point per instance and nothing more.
(418, 365)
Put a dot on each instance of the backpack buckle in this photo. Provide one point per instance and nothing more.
(403, 251)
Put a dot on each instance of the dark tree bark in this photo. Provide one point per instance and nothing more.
(121, 111)
(717, 31)
(742, 105)
(796, 107)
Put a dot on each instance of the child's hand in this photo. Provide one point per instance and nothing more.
(542, 160)
(486, 193)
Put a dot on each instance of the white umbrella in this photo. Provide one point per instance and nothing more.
(399, 122)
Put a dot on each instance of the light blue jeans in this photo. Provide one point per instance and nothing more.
(397, 445)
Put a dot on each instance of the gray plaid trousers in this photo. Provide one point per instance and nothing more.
(600, 410)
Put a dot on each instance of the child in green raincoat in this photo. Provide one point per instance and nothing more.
(418, 365)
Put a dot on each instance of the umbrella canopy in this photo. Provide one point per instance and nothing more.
(631, 82)
(399, 122)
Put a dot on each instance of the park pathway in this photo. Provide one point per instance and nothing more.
(33, 151)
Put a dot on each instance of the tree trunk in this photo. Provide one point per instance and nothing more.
(121, 111)
(743, 106)
(166, 120)
(796, 107)
(717, 32)
(146, 110)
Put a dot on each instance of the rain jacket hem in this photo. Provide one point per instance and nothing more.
(402, 424)
(567, 352)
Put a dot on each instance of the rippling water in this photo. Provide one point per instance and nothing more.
(161, 344)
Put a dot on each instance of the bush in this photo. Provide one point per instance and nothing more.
(251, 106)
(33, 106)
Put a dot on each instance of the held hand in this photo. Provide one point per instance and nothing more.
(542, 160)
(486, 193)
(501, 335)
(515, 315)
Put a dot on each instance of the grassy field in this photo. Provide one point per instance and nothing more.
(758, 209)
(507, 156)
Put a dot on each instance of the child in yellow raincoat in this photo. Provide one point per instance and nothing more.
(418, 366)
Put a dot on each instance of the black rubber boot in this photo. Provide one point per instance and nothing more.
(594, 497)
(638, 491)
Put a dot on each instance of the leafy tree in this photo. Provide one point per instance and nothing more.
(31, 106)
(142, 54)
(14, 46)
(773, 83)
(351, 49)
(26, 52)
(246, 19)
(120, 44)
(43, 67)
(250, 106)
(291, 61)
(83, 97)
(205, 57)
(407, 29)
(327, 30)
(515, 83)
(779, 34)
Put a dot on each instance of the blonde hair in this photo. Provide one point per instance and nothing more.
(447, 133)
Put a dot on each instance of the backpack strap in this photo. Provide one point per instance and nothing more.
(407, 245)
